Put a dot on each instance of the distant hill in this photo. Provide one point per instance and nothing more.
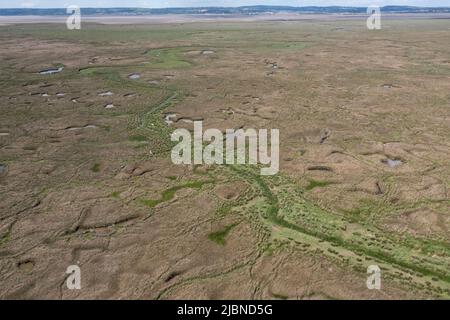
(247, 10)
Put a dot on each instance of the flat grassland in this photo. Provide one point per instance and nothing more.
(86, 176)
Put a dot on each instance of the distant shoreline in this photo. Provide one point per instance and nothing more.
(244, 10)
(191, 18)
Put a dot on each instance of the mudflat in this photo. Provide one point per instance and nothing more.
(190, 18)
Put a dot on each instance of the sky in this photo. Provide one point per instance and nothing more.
(206, 3)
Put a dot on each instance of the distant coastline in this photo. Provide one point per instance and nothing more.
(247, 10)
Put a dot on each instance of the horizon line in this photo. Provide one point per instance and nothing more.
(231, 7)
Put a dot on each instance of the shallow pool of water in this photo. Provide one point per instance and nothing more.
(392, 163)
(88, 126)
(106, 94)
(134, 76)
(52, 70)
(168, 118)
